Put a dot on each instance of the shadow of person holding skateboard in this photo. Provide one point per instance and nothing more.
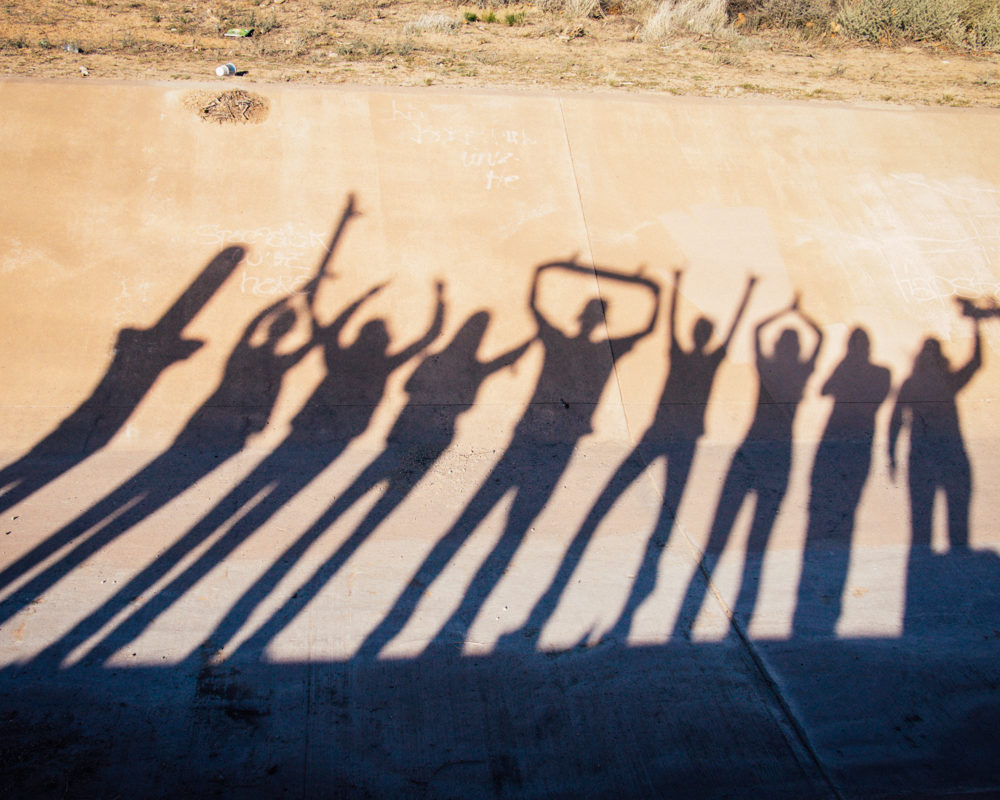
(673, 436)
(140, 356)
(575, 369)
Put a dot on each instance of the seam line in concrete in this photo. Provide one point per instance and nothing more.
(798, 730)
(788, 716)
(593, 262)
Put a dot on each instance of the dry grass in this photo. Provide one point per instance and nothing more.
(581, 8)
(672, 17)
(434, 23)
(784, 48)
(961, 23)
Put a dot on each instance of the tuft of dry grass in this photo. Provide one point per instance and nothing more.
(684, 16)
(434, 23)
(582, 8)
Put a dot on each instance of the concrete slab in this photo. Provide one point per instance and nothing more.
(445, 444)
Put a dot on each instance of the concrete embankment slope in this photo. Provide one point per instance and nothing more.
(449, 444)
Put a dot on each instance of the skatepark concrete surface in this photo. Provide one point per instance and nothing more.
(432, 444)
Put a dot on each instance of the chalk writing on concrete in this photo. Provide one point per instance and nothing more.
(279, 260)
(940, 287)
(491, 159)
(280, 284)
(288, 236)
(493, 153)
(941, 290)
(494, 179)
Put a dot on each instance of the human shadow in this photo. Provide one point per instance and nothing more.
(442, 388)
(140, 356)
(239, 407)
(162, 479)
(833, 716)
(937, 458)
(840, 471)
(760, 467)
(338, 411)
(574, 372)
(673, 435)
(937, 462)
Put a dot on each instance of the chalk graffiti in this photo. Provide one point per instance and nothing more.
(279, 259)
(492, 159)
(493, 179)
(940, 287)
(288, 236)
(485, 149)
(279, 284)
(981, 295)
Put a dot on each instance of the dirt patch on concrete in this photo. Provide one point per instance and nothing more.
(235, 107)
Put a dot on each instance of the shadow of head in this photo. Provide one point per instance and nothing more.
(787, 348)
(702, 332)
(591, 316)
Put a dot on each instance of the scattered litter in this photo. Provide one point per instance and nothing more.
(239, 33)
(224, 70)
(84, 71)
(71, 48)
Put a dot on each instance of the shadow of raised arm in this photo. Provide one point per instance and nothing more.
(751, 282)
(432, 332)
(309, 290)
(333, 330)
(964, 374)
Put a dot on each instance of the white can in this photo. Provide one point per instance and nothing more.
(225, 70)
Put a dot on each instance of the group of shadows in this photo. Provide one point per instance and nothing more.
(442, 387)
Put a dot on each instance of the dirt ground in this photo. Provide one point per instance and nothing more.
(430, 42)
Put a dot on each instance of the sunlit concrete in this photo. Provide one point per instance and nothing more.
(525, 570)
